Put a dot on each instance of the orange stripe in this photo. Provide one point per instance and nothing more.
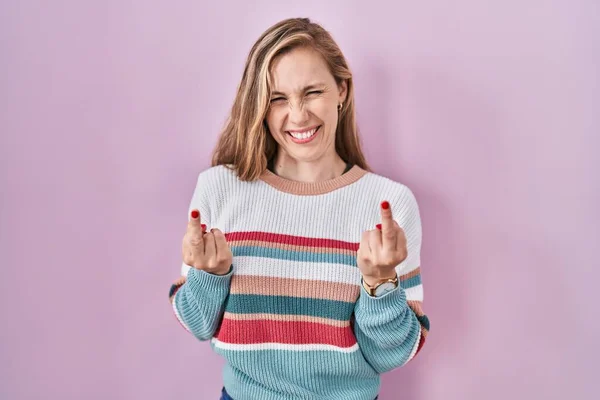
(410, 274)
(416, 306)
(273, 286)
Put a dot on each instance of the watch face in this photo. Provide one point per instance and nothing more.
(384, 288)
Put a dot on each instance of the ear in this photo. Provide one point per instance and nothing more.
(343, 91)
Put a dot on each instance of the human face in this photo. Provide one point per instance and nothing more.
(303, 112)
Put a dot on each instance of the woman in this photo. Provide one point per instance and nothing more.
(300, 266)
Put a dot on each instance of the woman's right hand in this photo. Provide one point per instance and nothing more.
(207, 251)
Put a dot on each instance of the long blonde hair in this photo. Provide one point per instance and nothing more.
(245, 144)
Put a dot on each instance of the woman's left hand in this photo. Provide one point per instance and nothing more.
(382, 249)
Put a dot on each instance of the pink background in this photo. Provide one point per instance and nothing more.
(489, 112)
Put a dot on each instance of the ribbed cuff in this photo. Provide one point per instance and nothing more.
(201, 281)
(394, 299)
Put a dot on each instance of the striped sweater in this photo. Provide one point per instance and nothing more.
(291, 318)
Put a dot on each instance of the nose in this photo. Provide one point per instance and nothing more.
(298, 114)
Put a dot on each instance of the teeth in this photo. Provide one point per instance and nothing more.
(304, 135)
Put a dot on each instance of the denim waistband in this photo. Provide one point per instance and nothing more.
(225, 396)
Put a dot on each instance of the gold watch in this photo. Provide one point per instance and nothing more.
(382, 287)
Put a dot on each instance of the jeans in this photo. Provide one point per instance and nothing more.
(225, 396)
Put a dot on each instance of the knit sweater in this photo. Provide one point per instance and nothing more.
(291, 317)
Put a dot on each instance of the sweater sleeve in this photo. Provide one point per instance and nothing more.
(198, 302)
(391, 329)
(197, 297)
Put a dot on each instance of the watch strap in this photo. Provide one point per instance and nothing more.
(372, 289)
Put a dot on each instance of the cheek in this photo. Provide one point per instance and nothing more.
(328, 114)
(324, 109)
(274, 120)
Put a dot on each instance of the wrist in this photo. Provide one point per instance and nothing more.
(380, 286)
(373, 280)
(221, 272)
(217, 272)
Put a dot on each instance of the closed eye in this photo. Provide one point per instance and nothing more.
(315, 92)
(277, 99)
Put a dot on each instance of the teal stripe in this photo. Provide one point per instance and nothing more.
(411, 282)
(307, 256)
(285, 305)
(423, 320)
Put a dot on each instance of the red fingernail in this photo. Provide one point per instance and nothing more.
(385, 205)
(203, 227)
(378, 226)
(195, 214)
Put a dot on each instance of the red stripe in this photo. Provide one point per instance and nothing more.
(293, 240)
(287, 332)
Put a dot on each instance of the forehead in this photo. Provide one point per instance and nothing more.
(300, 67)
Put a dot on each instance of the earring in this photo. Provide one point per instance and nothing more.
(340, 106)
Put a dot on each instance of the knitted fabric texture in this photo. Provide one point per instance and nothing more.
(291, 318)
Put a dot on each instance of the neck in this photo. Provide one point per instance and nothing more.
(308, 171)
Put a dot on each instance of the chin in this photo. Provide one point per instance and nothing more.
(306, 156)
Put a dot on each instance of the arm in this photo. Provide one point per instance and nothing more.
(198, 301)
(198, 297)
(391, 329)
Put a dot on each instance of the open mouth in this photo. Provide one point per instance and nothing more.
(304, 137)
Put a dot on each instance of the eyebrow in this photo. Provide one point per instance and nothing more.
(304, 89)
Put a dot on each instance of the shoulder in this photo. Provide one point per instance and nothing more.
(397, 193)
(220, 177)
(376, 188)
(217, 173)
(222, 182)
(215, 186)
(403, 202)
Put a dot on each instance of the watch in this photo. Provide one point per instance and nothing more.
(382, 287)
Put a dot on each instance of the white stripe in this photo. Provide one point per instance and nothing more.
(177, 312)
(185, 269)
(415, 347)
(414, 293)
(229, 210)
(404, 268)
(282, 346)
(259, 266)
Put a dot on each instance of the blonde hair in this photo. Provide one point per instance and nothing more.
(245, 144)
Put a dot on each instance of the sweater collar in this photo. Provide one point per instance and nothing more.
(312, 188)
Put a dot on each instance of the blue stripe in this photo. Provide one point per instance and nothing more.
(411, 282)
(285, 305)
(307, 256)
